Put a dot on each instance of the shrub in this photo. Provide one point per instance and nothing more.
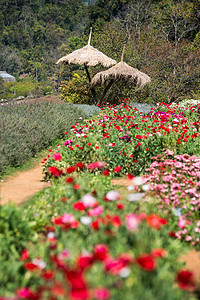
(14, 234)
(76, 90)
(28, 128)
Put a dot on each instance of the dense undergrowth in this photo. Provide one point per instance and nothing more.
(84, 239)
(27, 128)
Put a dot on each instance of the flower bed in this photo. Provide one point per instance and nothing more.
(103, 247)
(122, 136)
(94, 243)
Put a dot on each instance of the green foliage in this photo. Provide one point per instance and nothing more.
(25, 88)
(76, 90)
(14, 235)
(28, 128)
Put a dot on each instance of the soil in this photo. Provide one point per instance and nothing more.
(20, 187)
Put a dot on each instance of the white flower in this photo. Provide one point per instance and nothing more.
(88, 200)
(145, 187)
(112, 195)
(135, 197)
(51, 235)
(137, 181)
(130, 188)
(125, 272)
(86, 220)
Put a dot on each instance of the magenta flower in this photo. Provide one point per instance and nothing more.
(57, 156)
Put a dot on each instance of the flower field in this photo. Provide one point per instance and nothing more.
(88, 239)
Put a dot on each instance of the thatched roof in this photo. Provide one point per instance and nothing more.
(87, 55)
(121, 71)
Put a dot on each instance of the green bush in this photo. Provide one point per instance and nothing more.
(76, 90)
(14, 234)
(27, 128)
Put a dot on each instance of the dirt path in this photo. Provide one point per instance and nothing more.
(23, 185)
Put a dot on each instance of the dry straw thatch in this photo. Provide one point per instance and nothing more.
(87, 55)
(122, 71)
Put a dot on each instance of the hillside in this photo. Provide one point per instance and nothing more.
(162, 39)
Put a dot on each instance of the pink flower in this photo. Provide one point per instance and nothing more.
(57, 156)
(114, 265)
(132, 221)
(25, 293)
(169, 152)
(95, 211)
(181, 223)
(96, 165)
(101, 294)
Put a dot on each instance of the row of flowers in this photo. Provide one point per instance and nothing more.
(121, 135)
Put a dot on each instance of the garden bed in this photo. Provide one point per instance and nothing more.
(89, 239)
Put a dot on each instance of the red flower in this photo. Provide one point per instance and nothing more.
(138, 136)
(24, 255)
(71, 169)
(185, 280)
(85, 261)
(48, 275)
(106, 172)
(30, 266)
(69, 180)
(95, 225)
(117, 169)
(155, 221)
(79, 206)
(79, 294)
(100, 252)
(76, 186)
(130, 176)
(89, 144)
(158, 252)
(80, 165)
(172, 234)
(120, 206)
(55, 171)
(146, 262)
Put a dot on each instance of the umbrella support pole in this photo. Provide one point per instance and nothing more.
(91, 88)
(108, 86)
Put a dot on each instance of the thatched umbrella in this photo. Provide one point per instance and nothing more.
(88, 56)
(120, 71)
